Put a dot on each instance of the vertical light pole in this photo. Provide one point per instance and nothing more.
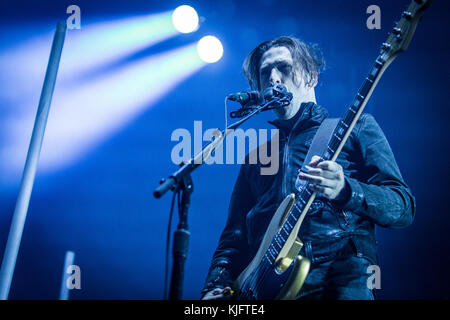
(68, 261)
(29, 172)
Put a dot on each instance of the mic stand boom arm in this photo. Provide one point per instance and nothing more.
(181, 181)
(197, 160)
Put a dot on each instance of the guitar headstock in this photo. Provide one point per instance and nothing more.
(401, 35)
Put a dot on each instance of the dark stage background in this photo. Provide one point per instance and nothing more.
(102, 158)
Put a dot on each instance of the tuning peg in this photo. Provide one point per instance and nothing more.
(407, 15)
(385, 46)
(397, 31)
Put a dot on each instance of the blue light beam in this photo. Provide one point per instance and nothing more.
(85, 116)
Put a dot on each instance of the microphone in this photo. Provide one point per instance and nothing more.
(246, 98)
(277, 91)
(277, 95)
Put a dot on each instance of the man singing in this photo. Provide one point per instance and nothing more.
(363, 188)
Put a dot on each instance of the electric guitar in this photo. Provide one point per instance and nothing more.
(278, 271)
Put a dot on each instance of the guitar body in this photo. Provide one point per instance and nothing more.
(285, 278)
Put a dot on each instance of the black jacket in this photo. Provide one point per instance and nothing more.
(375, 193)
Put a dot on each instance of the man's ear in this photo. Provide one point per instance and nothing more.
(314, 80)
(298, 78)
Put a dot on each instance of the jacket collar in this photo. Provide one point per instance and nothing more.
(308, 115)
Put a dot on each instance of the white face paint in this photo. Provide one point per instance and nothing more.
(277, 66)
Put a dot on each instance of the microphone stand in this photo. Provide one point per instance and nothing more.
(181, 182)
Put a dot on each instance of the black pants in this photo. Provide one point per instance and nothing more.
(343, 278)
(338, 272)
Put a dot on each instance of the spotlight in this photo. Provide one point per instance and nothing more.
(185, 19)
(210, 49)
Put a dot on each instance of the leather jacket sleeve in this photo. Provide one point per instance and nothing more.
(380, 194)
(376, 192)
(228, 261)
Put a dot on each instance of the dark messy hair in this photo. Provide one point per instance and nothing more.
(308, 60)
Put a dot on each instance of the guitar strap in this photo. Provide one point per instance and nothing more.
(320, 140)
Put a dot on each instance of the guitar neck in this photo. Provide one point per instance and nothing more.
(340, 135)
(398, 40)
(343, 130)
(346, 125)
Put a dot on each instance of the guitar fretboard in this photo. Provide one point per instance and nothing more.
(337, 140)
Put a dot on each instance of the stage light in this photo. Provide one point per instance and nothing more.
(185, 19)
(210, 49)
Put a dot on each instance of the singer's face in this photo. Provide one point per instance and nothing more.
(277, 66)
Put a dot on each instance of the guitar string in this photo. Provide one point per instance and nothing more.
(251, 281)
(263, 274)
